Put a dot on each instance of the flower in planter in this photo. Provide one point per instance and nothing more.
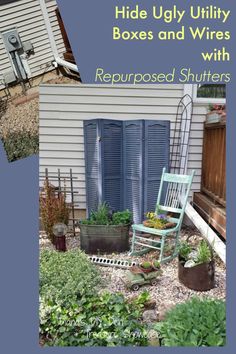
(158, 221)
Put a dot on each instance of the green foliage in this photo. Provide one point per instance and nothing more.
(184, 250)
(122, 217)
(99, 320)
(202, 250)
(20, 144)
(74, 311)
(66, 275)
(142, 298)
(194, 323)
(156, 264)
(146, 265)
(204, 253)
(102, 216)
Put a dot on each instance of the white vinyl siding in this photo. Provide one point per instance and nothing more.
(27, 16)
(63, 109)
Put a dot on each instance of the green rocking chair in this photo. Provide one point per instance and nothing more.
(172, 199)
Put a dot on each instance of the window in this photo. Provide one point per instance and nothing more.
(210, 93)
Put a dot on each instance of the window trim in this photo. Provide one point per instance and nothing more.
(206, 99)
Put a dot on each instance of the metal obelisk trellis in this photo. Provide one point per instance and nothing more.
(180, 141)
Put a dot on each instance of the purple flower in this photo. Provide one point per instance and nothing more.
(162, 216)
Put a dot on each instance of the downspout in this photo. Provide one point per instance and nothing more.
(57, 59)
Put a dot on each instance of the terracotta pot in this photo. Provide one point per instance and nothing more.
(148, 270)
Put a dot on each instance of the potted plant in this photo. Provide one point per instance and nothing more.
(105, 231)
(216, 114)
(146, 267)
(158, 221)
(156, 265)
(196, 266)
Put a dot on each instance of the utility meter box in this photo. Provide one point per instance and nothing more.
(12, 40)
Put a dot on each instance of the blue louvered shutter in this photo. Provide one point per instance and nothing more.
(92, 164)
(111, 152)
(133, 171)
(156, 156)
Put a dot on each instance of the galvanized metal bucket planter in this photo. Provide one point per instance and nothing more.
(200, 277)
(104, 238)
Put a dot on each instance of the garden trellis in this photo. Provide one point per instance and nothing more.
(63, 183)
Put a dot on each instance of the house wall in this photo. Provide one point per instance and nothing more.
(27, 16)
(62, 111)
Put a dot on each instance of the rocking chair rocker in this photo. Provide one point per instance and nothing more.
(172, 199)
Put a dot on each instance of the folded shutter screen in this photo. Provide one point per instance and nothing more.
(156, 156)
(133, 171)
(92, 164)
(111, 152)
(124, 162)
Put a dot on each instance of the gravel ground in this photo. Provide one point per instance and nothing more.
(25, 116)
(20, 118)
(169, 291)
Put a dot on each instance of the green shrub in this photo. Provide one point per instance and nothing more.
(204, 253)
(122, 217)
(66, 275)
(97, 320)
(194, 323)
(102, 216)
(74, 311)
(184, 250)
(20, 144)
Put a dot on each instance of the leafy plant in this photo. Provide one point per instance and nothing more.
(203, 253)
(146, 265)
(142, 298)
(66, 275)
(184, 250)
(156, 264)
(20, 144)
(194, 323)
(53, 208)
(122, 217)
(96, 320)
(103, 216)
